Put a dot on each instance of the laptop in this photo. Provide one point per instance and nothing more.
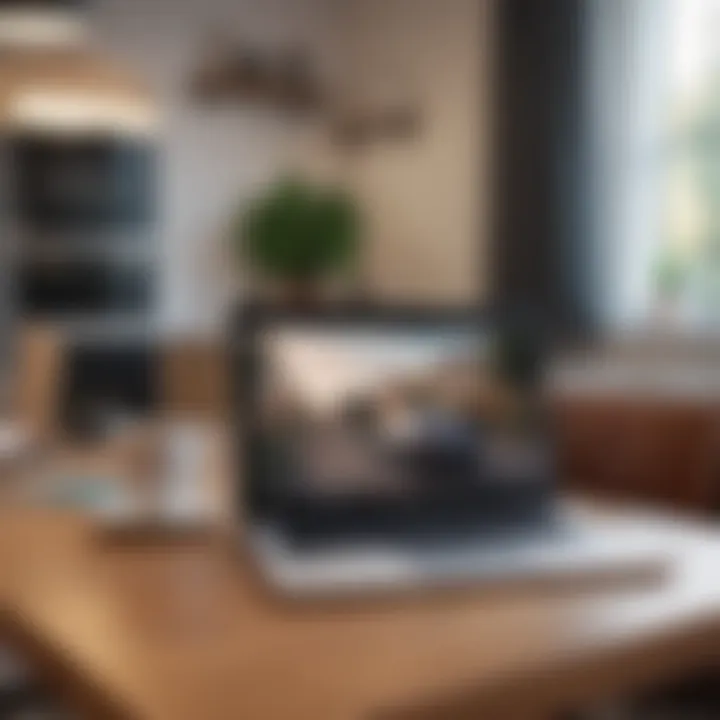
(384, 448)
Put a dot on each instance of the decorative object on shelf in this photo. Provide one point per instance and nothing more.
(358, 129)
(299, 234)
(295, 86)
(231, 74)
(288, 81)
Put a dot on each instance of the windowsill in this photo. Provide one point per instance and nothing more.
(676, 341)
(679, 363)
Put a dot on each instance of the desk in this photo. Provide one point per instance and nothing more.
(184, 633)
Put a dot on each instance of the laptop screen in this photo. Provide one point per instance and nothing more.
(371, 417)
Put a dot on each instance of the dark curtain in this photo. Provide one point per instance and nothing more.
(542, 259)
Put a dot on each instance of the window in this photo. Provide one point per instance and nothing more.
(655, 110)
(687, 263)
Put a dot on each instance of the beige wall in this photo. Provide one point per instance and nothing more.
(426, 199)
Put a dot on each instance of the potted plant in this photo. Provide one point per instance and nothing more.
(516, 366)
(670, 280)
(299, 234)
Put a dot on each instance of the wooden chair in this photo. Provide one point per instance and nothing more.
(35, 392)
(194, 381)
(34, 397)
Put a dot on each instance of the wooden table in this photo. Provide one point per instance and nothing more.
(183, 632)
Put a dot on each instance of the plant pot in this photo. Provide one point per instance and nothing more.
(301, 293)
(667, 310)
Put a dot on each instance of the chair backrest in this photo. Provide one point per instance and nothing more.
(194, 379)
(38, 378)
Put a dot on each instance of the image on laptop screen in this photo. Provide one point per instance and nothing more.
(395, 413)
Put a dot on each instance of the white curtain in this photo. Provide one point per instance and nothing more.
(627, 94)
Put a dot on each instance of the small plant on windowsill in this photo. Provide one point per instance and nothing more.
(670, 284)
(296, 236)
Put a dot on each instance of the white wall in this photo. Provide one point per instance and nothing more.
(211, 158)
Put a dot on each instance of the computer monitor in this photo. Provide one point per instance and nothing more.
(391, 422)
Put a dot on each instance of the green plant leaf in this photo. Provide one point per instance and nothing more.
(296, 231)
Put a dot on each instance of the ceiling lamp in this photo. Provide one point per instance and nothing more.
(41, 23)
(53, 80)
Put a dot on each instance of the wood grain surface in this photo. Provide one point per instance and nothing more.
(184, 631)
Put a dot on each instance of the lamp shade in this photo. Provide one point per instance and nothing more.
(41, 23)
(51, 6)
